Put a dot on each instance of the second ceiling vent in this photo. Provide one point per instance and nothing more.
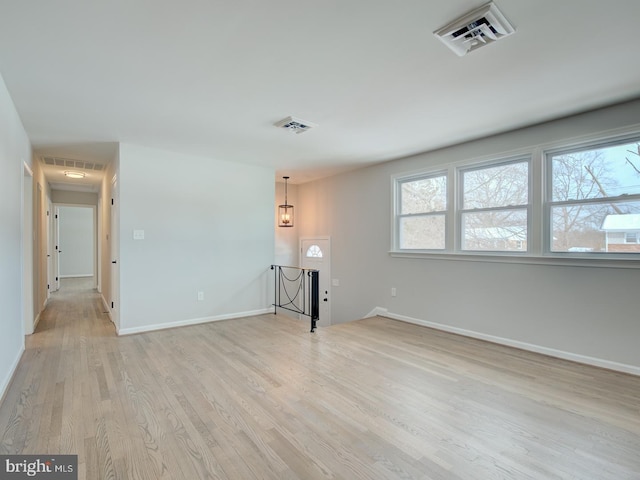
(476, 29)
(295, 125)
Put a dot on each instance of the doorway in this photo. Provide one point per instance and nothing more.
(315, 253)
(74, 233)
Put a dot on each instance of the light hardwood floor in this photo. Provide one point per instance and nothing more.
(261, 397)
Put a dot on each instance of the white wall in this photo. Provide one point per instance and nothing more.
(76, 241)
(15, 150)
(590, 312)
(208, 226)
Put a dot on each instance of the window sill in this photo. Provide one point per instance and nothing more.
(572, 261)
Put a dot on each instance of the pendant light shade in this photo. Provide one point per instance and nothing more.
(285, 212)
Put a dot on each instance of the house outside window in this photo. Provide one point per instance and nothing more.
(622, 232)
(594, 197)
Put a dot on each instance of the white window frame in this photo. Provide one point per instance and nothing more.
(549, 203)
(461, 211)
(397, 205)
(538, 216)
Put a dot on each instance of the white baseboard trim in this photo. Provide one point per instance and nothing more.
(377, 311)
(574, 357)
(106, 307)
(37, 319)
(35, 323)
(4, 386)
(84, 275)
(192, 321)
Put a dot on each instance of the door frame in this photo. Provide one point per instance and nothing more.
(114, 238)
(28, 242)
(325, 278)
(94, 239)
(54, 249)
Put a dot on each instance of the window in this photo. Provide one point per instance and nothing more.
(421, 213)
(314, 251)
(494, 207)
(593, 196)
(566, 205)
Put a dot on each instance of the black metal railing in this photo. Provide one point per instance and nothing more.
(296, 289)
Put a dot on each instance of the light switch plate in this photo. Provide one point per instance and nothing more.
(138, 234)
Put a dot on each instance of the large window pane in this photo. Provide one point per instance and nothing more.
(597, 173)
(424, 195)
(498, 231)
(422, 232)
(497, 186)
(595, 227)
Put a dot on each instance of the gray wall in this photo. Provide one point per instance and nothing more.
(585, 312)
(76, 241)
(208, 226)
(14, 150)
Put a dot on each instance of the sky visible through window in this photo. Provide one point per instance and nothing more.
(623, 161)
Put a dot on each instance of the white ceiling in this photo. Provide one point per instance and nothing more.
(211, 77)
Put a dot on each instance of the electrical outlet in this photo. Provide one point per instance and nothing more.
(200, 296)
(393, 291)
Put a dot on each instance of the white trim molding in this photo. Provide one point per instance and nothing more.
(192, 321)
(4, 386)
(574, 357)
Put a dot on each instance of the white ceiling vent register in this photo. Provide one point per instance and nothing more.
(69, 163)
(476, 29)
(295, 125)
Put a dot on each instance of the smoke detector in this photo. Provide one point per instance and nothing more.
(476, 29)
(295, 125)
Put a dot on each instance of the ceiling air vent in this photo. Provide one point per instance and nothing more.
(69, 163)
(476, 29)
(295, 125)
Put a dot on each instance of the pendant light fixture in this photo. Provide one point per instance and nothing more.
(285, 212)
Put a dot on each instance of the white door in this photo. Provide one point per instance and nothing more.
(315, 253)
(115, 253)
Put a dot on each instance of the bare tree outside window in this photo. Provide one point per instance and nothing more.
(591, 204)
(494, 207)
(588, 186)
(422, 222)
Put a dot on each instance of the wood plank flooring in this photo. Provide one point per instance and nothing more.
(262, 398)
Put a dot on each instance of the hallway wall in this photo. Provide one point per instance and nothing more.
(41, 197)
(15, 150)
